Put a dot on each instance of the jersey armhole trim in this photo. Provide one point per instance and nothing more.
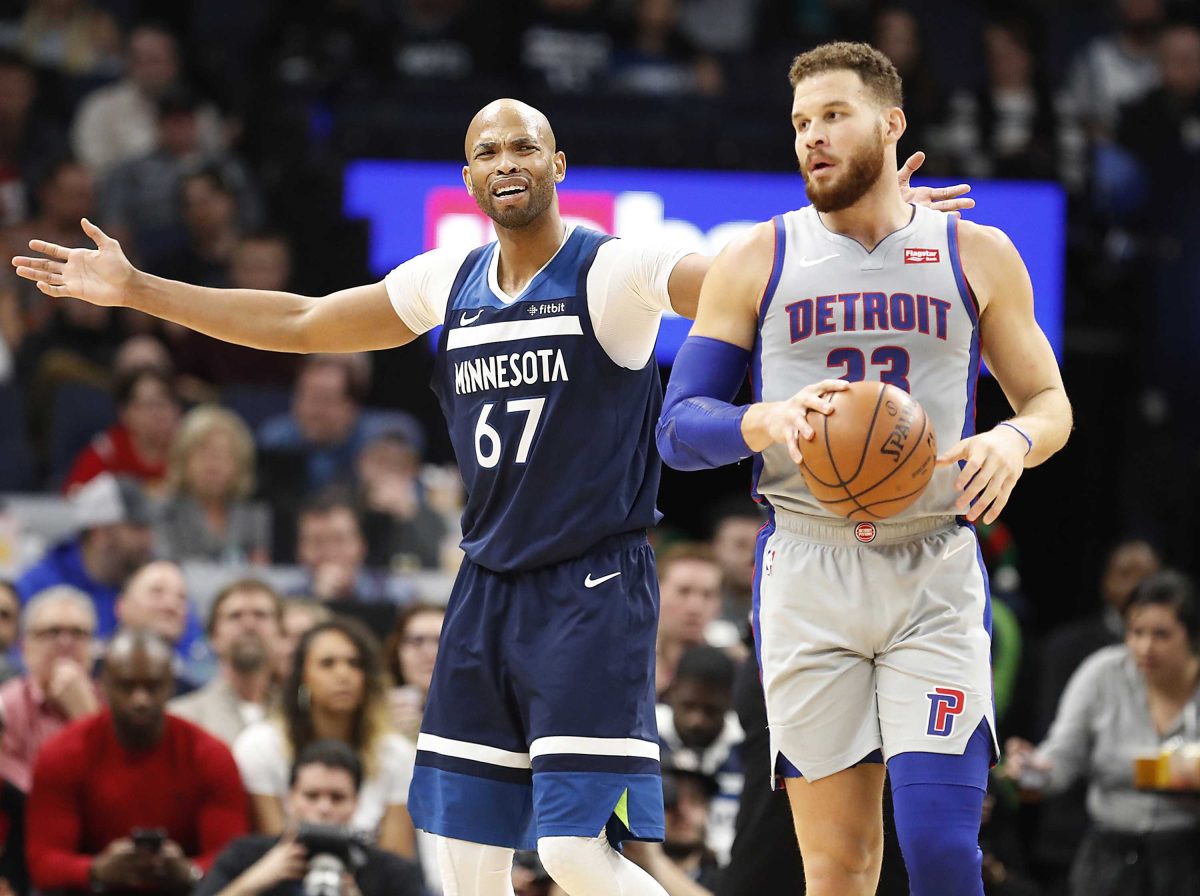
(968, 300)
(776, 268)
(964, 288)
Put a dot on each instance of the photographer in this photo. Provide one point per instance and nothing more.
(318, 848)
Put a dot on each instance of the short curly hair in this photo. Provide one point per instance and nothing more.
(876, 70)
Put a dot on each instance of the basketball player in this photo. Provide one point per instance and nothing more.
(873, 638)
(539, 729)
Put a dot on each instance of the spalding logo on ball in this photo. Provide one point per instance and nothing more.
(873, 456)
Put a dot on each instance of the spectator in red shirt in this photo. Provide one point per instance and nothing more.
(138, 444)
(59, 624)
(131, 766)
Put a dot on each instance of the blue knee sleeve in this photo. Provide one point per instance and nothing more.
(938, 803)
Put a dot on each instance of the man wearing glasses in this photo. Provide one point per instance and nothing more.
(58, 625)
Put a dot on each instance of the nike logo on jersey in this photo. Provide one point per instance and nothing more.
(809, 262)
(589, 582)
(464, 321)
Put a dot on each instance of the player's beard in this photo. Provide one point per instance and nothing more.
(859, 174)
(540, 193)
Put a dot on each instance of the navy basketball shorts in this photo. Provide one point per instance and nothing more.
(540, 718)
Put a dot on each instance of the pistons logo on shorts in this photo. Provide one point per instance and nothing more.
(944, 705)
(865, 532)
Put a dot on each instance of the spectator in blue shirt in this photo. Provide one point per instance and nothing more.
(115, 539)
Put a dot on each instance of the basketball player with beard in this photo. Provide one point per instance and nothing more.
(873, 639)
(539, 731)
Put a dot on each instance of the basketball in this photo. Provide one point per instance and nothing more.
(873, 456)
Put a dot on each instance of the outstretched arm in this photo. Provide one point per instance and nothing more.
(357, 319)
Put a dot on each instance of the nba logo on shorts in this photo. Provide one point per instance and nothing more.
(768, 562)
(944, 705)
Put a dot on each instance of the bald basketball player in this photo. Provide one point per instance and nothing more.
(539, 730)
(874, 639)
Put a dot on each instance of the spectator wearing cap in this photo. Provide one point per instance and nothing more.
(115, 539)
(119, 122)
(131, 766)
(155, 599)
(136, 445)
(244, 631)
(58, 625)
(700, 732)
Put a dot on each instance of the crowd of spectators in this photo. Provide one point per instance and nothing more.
(227, 535)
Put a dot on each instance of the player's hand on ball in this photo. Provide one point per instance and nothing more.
(992, 462)
(785, 421)
(101, 276)
(940, 199)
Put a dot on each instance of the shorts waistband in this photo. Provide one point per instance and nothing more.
(826, 530)
(616, 542)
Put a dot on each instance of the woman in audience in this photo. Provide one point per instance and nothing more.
(410, 653)
(1127, 701)
(335, 690)
(136, 445)
(209, 478)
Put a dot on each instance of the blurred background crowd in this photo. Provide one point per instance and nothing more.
(287, 525)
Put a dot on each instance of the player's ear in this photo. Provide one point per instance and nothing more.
(894, 124)
(467, 181)
(560, 167)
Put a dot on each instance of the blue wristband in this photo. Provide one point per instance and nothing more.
(1023, 435)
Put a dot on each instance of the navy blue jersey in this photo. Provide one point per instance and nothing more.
(555, 441)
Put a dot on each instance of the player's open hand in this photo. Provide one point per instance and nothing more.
(101, 276)
(786, 422)
(992, 462)
(940, 199)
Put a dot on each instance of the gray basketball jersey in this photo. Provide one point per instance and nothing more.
(901, 313)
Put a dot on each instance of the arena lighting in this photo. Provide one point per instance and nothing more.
(415, 206)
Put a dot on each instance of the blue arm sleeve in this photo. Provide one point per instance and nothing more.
(700, 428)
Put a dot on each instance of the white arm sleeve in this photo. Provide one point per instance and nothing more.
(627, 294)
(420, 287)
